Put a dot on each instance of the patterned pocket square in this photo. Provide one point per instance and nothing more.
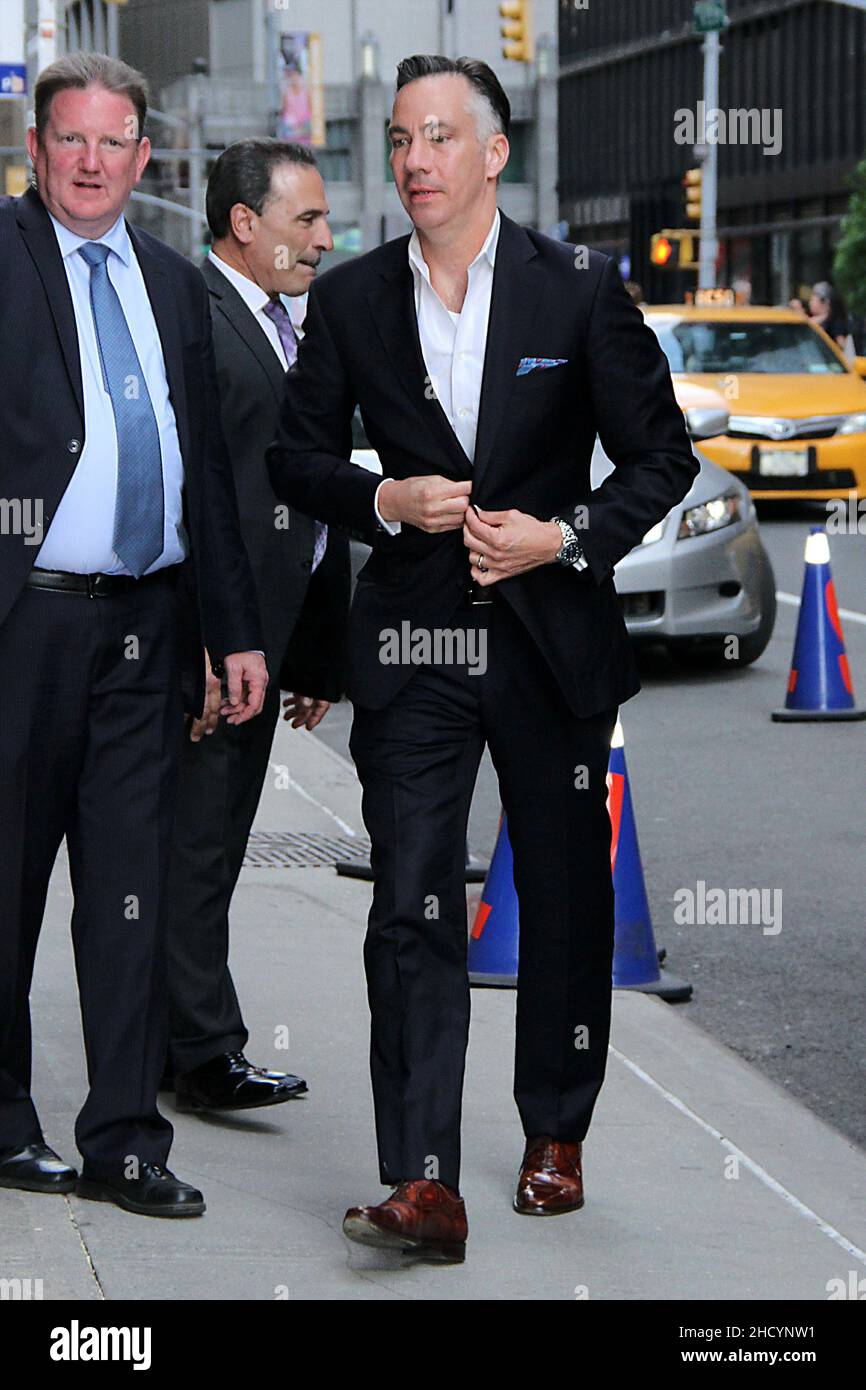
(536, 364)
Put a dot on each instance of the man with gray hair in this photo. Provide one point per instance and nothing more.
(485, 359)
(109, 416)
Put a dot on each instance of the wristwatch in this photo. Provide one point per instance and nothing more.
(571, 550)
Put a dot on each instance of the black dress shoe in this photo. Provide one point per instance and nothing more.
(155, 1192)
(230, 1082)
(35, 1168)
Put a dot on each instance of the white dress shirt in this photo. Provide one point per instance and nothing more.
(79, 538)
(454, 345)
(256, 301)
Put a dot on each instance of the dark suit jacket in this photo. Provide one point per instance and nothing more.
(42, 423)
(304, 617)
(535, 439)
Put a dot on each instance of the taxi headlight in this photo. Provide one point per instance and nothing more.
(711, 516)
(852, 424)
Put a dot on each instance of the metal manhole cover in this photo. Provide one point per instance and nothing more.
(278, 849)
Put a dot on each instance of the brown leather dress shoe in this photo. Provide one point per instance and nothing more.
(550, 1179)
(420, 1217)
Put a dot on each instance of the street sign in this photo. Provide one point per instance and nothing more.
(13, 81)
(710, 16)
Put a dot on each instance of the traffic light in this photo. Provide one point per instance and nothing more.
(517, 31)
(673, 249)
(661, 249)
(693, 182)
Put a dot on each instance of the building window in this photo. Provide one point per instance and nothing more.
(335, 160)
(517, 168)
(90, 26)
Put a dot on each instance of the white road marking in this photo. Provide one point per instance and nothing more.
(760, 1173)
(280, 770)
(849, 614)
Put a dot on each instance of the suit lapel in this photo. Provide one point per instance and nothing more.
(244, 323)
(515, 301)
(392, 304)
(41, 241)
(166, 312)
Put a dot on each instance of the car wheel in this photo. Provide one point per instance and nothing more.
(699, 654)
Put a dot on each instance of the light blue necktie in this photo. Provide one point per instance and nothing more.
(139, 508)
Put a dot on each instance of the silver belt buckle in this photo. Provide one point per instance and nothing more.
(478, 597)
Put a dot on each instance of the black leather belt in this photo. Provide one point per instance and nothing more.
(94, 585)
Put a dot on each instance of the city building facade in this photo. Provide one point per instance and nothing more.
(796, 68)
(215, 75)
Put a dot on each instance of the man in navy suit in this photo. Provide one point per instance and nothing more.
(485, 360)
(110, 424)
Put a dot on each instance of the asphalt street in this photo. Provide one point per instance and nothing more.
(724, 796)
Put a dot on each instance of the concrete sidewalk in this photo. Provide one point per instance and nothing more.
(666, 1216)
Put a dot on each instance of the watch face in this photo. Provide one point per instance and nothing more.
(570, 552)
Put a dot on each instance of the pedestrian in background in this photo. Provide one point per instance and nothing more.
(827, 310)
(267, 212)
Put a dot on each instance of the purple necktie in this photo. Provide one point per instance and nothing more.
(279, 316)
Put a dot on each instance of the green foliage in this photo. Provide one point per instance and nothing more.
(849, 264)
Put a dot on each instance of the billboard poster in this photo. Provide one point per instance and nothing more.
(301, 117)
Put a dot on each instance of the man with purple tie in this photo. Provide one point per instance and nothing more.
(267, 212)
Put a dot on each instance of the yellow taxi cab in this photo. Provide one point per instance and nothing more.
(797, 426)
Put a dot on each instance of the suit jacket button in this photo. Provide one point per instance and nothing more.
(306, 564)
(73, 445)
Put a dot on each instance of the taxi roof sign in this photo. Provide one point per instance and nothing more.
(724, 299)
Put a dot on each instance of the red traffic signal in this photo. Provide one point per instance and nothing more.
(661, 249)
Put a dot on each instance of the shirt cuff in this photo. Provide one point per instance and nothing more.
(392, 527)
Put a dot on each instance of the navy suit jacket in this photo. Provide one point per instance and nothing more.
(536, 432)
(42, 424)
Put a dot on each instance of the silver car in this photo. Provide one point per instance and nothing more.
(702, 575)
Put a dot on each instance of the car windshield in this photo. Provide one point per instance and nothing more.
(719, 346)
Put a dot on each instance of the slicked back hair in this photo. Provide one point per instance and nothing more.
(243, 174)
(478, 74)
